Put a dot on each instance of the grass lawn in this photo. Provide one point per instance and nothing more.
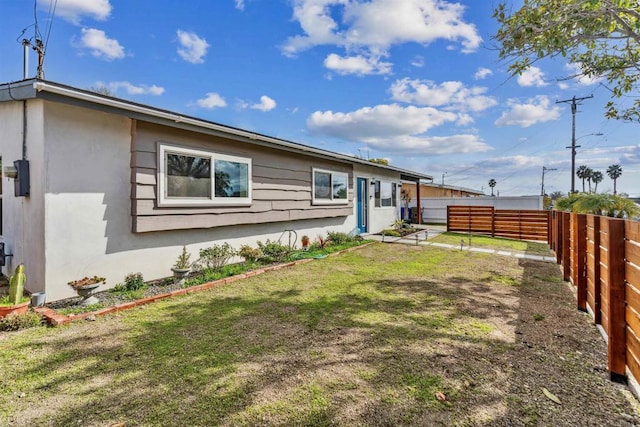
(370, 337)
(479, 241)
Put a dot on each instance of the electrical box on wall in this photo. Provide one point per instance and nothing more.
(21, 182)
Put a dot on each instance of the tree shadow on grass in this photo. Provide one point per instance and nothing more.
(370, 351)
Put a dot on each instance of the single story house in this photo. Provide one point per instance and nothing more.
(95, 185)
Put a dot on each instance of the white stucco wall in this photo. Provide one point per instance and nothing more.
(434, 209)
(380, 218)
(88, 214)
(23, 217)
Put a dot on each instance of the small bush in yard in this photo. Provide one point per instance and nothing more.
(216, 256)
(273, 251)
(133, 282)
(250, 254)
(392, 233)
(338, 238)
(16, 322)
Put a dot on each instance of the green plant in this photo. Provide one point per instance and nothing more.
(322, 241)
(6, 300)
(273, 251)
(399, 224)
(250, 254)
(133, 282)
(393, 233)
(182, 263)
(15, 322)
(216, 256)
(16, 285)
(338, 238)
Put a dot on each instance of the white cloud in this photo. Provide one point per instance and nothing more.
(418, 61)
(452, 95)
(356, 25)
(563, 86)
(536, 110)
(212, 100)
(265, 104)
(395, 128)
(192, 47)
(239, 4)
(358, 65)
(74, 10)
(100, 45)
(578, 74)
(482, 73)
(532, 76)
(136, 89)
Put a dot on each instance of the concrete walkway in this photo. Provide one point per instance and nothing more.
(421, 238)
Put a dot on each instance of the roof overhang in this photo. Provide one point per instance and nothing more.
(41, 89)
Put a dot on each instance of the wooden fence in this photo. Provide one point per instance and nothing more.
(601, 258)
(516, 224)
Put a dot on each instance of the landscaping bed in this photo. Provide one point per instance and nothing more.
(125, 293)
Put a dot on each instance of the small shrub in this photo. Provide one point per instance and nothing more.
(339, 238)
(322, 241)
(182, 263)
(392, 233)
(250, 254)
(273, 251)
(133, 282)
(16, 322)
(216, 256)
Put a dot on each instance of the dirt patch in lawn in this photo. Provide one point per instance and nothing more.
(386, 335)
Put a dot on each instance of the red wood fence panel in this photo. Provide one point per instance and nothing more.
(515, 224)
(632, 293)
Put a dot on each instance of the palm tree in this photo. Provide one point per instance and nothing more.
(597, 178)
(581, 173)
(614, 172)
(492, 183)
(588, 174)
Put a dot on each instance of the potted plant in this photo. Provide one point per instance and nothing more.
(86, 287)
(15, 302)
(182, 267)
(305, 242)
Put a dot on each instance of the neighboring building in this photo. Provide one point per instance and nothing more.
(435, 190)
(118, 187)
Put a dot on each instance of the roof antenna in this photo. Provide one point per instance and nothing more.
(25, 45)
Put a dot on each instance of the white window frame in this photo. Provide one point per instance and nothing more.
(163, 200)
(378, 200)
(331, 201)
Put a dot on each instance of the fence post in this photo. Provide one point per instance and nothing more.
(616, 342)
(448, 218)
(493, 222)
(566, 246)
(559, 236)
(549, 229)
(580, 269)
(597, 297)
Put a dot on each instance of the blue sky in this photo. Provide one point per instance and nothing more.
(415, 81)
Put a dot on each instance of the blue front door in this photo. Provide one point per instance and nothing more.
(362, 204)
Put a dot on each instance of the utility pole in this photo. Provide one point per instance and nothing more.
(544, 169)
(443, 178)
(574, 104)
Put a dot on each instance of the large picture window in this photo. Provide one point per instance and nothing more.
(330, 187)
(385, 194)
(198, 177)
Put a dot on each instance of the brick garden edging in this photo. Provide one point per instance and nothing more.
(54, 318)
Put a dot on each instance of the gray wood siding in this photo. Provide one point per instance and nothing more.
(281, 184)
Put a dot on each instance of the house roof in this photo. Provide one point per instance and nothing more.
(56, 92)
(456, 188)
